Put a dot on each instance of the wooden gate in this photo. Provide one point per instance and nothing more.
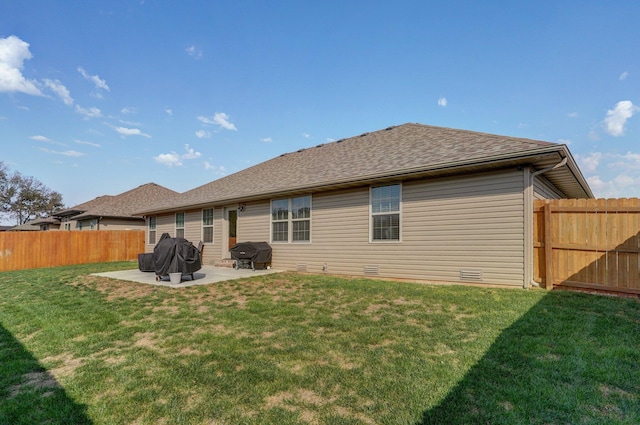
(588, 243)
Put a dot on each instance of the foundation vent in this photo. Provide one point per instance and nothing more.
(472, 275)
(301, 267)
(372, 270)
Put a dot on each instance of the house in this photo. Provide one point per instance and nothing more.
(411, 201)
(113, 212)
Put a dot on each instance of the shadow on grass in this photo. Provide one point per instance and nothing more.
(572, 358)
(29, 394)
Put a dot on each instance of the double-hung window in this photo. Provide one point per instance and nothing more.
(207, 225)
(180, 225)
(291, 219)
(385, 213)
(152, 229)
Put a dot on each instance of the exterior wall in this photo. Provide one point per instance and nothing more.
(121, 224)
(106, 224)
(467, 225)
(542, 189)
(473, 224)
(166, 223)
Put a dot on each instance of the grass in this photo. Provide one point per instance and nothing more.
(304, 349)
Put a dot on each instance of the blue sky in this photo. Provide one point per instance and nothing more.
(98, 97)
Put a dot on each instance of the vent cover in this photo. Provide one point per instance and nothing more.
(474, 275)
(371, 270)
(301, 267)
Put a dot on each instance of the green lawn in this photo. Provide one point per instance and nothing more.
(304, 349)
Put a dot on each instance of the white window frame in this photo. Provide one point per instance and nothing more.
(206, 226)
(177, 224)
(152, 226)
(290, 220)
(373, 214)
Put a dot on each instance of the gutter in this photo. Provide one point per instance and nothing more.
(532, 176)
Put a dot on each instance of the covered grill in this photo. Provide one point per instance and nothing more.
(248, 254)
(175, 255)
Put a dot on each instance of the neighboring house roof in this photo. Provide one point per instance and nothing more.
(85, 206)
(123, 205)
(28, 226)
(5, 228)
(45, 220)
(404, 151)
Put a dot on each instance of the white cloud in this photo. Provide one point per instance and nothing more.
(202, 134)
(590, 162)
(169, 159)
(129, 110)
(266, 140)
(612, 175)
(194, 52)
(173, 159)
(65, 153)
(40, 138)
(58, 88)
(617, 117)
(82, 142)
(624, 76)
(124, 131)
(191, 154)
(306, 135)
(95, 79)
(92, 112)
(220, 119)
(169, 111)
(572, 115)
(218, 170)
(13, 53)
(442, 101)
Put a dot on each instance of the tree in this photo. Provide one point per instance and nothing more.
(25, 198)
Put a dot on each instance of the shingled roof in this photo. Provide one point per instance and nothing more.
(395, 152)
(123, 205)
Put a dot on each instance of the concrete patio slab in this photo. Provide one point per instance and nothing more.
(205, 276)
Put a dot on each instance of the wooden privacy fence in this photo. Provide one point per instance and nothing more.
(27, 250)
(588, 243)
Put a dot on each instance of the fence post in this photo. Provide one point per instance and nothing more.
(548, 247)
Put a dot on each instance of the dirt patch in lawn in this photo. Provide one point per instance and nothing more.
(35, 381)
(114, 289)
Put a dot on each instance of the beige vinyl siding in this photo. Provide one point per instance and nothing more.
(470, 223)
(192, 226)
(165, 223)
(542, 189)
(122, 224)
(254, 223)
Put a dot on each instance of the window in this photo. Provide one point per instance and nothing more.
(301, 219)
(291, 220)
(385, 213)
(152, 229)
(207, 225)
(180, 225)
(92, 224)
(280, 220)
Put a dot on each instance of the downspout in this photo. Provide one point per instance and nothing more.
(532, 177)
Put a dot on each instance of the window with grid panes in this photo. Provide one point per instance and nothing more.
(152, 229)
(385, 213)
(291, 219)
(207, 225)
(180, 225)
